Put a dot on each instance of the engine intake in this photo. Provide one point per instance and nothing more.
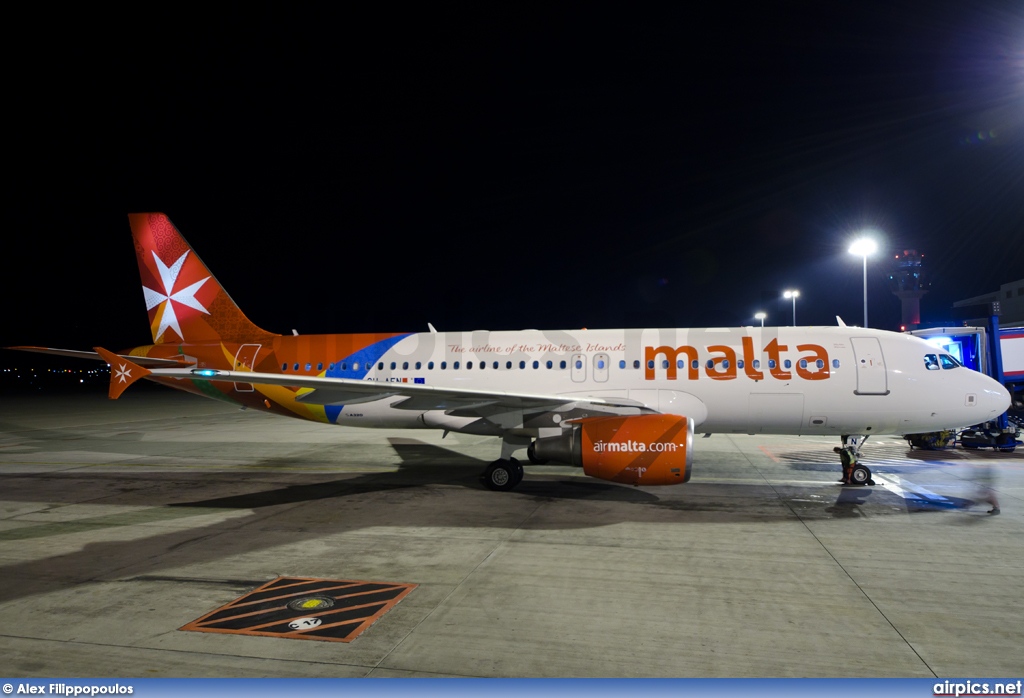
(646, 449)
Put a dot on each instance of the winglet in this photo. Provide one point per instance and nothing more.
(122, 372)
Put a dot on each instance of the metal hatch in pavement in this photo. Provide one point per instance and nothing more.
(303, 608)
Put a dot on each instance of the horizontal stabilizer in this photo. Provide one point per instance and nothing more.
(94, 356)
(122, 372)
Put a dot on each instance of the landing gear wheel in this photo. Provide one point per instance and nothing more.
(531, 454)
(517, 471)
(502, 475)
(861, 475)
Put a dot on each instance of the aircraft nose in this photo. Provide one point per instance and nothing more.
(994, 399)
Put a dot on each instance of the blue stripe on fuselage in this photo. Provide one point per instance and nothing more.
(365, 358)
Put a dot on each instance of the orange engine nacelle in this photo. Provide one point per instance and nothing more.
(647, 449)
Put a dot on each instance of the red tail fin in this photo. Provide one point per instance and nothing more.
(185, 302)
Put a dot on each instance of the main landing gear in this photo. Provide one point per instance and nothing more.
(854, 472)
(502, 475)
(505, 473)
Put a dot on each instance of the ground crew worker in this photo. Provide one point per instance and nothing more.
(848, 457)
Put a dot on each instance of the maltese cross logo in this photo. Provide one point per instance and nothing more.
(185, 296)
(123, 373)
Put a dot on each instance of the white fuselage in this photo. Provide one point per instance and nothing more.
(782, 380)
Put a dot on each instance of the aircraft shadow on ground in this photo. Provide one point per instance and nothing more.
(420, 466)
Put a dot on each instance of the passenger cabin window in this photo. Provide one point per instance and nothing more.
(636, 363)
(284, 367)
(622, 363)
(444, 365)
(320, 366)
(536, 364)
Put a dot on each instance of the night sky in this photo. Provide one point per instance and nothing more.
(490, 166)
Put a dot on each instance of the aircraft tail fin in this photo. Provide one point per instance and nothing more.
(184, 300)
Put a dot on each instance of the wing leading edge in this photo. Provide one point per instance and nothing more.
(320, 390)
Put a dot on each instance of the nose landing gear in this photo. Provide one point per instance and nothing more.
(854, 472)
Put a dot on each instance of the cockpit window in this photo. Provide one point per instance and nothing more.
(948, 362)
(931, 362)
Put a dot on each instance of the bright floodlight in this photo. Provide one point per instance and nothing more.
(760, 316)
(863, 247)
(794, 295)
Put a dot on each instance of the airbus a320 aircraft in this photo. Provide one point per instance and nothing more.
(622, 404)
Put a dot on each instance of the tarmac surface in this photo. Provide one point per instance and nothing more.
(121, 522)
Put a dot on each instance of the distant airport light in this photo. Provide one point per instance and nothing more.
(862, 247)
(794, 295)
(760, 316)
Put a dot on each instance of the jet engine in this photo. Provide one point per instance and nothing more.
(646, 449)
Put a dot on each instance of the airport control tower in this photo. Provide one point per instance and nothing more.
(907, 281)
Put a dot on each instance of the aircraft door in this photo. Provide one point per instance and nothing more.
(601, 362)
(245, 360)
(871, 374)
(579, 368)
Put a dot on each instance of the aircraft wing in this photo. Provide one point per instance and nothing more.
(319, 390)
(145, 361)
